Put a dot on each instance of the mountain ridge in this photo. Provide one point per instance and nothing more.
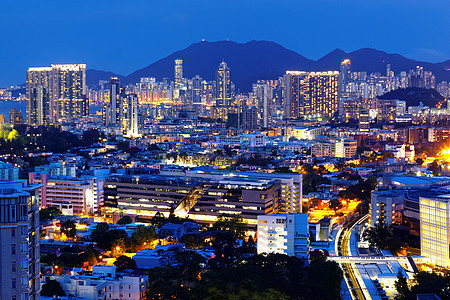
(255, 60)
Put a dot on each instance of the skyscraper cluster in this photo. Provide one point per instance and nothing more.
(56, 93)
(122, 111)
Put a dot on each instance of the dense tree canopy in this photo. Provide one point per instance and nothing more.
(48, 213)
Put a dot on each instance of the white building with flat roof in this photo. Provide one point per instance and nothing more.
(284, 233)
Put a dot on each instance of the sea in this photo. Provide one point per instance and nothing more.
(5, 108)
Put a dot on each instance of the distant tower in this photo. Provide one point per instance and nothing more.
(223, 85)
(178, 72)
(115, 100)
(132, 115)
(344, 75)
(197, 90)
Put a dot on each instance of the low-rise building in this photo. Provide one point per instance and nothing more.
(284, 233)
(386, 207)
(102, 283)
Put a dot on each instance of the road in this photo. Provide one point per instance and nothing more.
(343, 249)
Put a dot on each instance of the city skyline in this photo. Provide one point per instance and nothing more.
(152, 23)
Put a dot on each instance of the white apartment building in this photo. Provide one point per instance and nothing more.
(386, 207)
(19, 240)
(345, 148)
(435, 229)
(104, 283)
(284, 233)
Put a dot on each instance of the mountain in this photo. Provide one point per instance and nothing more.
(267, 60)
(248, 62)
(413, 96)
(94, 76)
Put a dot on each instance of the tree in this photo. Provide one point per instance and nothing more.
(144, 234)
(434, 167)
(90, 256)
(233, 223)
(118, 248)
(401, 285)
(125, 220)
(48, 213)
(158, 220)
(324, 279)
(124, 262)
(419, 161)
(382, 237)
(52, 288)
(68, 228)
(192, 241)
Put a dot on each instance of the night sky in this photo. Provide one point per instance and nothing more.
(122, 36)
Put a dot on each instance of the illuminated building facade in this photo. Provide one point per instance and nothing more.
(39, 105)
(56, 92)
(319, 94)
(310, 95)
(434, 230)
(131, 115)
(202, 200)
(223, 85)
(19, 240)
(291, 93)
(115, 101)
(344, 75)
(284, 234)
(69, 88)
(264, 98)
(15, 117)
(178, 72)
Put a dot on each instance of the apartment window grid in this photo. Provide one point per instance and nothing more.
(434, 231)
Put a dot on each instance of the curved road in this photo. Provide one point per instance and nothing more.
(343, 249)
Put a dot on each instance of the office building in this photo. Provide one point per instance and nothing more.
(200, 199)
(434, 230)
(291, 183)
(19, 240)
(284, 234)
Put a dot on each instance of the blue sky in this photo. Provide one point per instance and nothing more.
(122, 36)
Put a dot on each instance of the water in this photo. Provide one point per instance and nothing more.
(5, 108)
